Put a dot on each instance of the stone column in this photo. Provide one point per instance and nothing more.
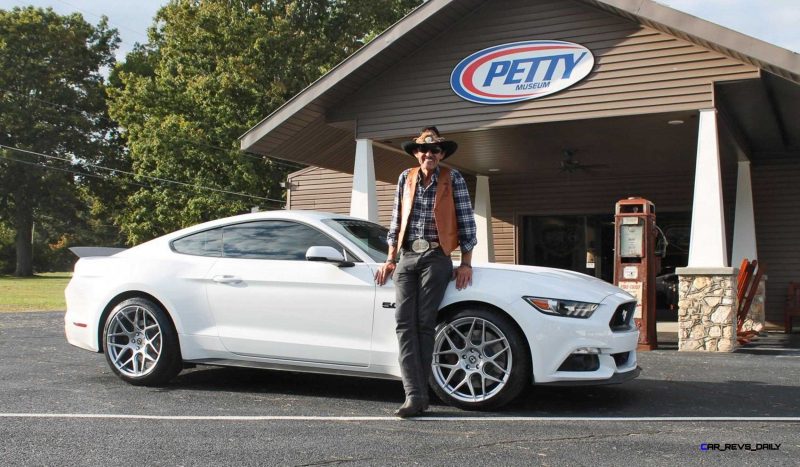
(484, 250)
(707, 309)
(756, 318)
(707, 286)
(744, 224)
(363, 198)
(745, 245)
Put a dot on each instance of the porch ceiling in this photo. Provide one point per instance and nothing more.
(601, 147)
(763, 114)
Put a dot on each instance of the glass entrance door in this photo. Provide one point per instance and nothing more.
(576, 243)
(585, 243)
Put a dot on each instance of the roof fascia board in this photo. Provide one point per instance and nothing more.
(340, 71)
(711, 32)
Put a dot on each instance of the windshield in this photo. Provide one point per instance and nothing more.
(368, 236)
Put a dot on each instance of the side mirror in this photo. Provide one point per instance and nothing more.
(327, 254)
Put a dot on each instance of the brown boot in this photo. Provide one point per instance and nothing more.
(412, 406)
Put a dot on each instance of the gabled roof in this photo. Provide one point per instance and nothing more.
(769, 57)
(307, 109)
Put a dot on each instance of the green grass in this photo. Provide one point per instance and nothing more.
(42, 292)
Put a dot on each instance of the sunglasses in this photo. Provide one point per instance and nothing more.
(424, 148)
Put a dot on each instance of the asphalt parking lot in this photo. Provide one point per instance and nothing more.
(62, 405)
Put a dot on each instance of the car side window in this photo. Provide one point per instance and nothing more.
(277, 240)
(205, 243)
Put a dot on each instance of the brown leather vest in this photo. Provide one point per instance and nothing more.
(444, 209)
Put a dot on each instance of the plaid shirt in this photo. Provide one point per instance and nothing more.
(422, 223)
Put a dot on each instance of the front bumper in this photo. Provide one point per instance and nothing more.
(618, 378)
(553, 340)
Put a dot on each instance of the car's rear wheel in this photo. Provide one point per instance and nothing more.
(480, 360)
(140, 343)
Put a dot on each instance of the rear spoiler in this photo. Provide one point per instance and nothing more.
(87, 251)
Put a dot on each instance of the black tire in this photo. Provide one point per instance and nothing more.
(140, 343)
(473, 376)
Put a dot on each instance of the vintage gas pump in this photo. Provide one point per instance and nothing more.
(636, 263)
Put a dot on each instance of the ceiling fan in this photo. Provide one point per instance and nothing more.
(570, 165)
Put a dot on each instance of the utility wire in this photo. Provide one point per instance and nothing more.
(101, 177)
(197, 143)
(61, 169)
(149, 177)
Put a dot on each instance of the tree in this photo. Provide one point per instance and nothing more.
(212, 69)
(52, 102)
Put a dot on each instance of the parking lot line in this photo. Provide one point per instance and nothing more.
(257, 418)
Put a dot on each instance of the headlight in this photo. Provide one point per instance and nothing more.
(553, 306)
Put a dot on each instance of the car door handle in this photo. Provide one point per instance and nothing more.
(226, 279)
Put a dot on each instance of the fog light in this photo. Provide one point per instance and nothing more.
(586, 351)
(580, 362)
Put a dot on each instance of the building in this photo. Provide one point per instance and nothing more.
(697, 118)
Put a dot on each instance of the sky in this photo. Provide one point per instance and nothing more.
(774, 21)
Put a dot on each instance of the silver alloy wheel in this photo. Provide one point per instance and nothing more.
(134, 341)
(472, 359)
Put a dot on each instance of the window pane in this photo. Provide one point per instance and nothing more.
(278, 240)
(367, 235)
(206, 243)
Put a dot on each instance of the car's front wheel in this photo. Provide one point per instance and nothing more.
(480, 360)
(140, 343)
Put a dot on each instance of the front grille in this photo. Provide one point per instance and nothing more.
(621, 321)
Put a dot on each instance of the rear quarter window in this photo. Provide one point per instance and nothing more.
(205, 243)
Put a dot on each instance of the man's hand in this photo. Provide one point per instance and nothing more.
(384, 272)
(463, 276)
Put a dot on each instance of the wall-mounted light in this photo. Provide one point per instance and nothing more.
(675, 122)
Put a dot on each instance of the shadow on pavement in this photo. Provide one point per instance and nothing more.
(230, 379)
(656, 398)
(639, 398)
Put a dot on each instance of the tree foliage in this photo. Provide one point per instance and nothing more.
(52, 102)
(211, 70)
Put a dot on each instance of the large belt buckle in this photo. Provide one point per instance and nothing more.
(420, 245)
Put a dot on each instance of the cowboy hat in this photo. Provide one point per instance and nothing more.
(430, 135)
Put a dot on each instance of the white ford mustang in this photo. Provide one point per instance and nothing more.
(296, 291)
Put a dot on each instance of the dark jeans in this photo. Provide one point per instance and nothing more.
(420, 281)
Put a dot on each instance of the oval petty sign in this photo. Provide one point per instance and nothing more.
(520, 71)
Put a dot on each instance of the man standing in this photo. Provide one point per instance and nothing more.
(432, 215)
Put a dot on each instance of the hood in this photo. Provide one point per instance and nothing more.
(557, 283)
